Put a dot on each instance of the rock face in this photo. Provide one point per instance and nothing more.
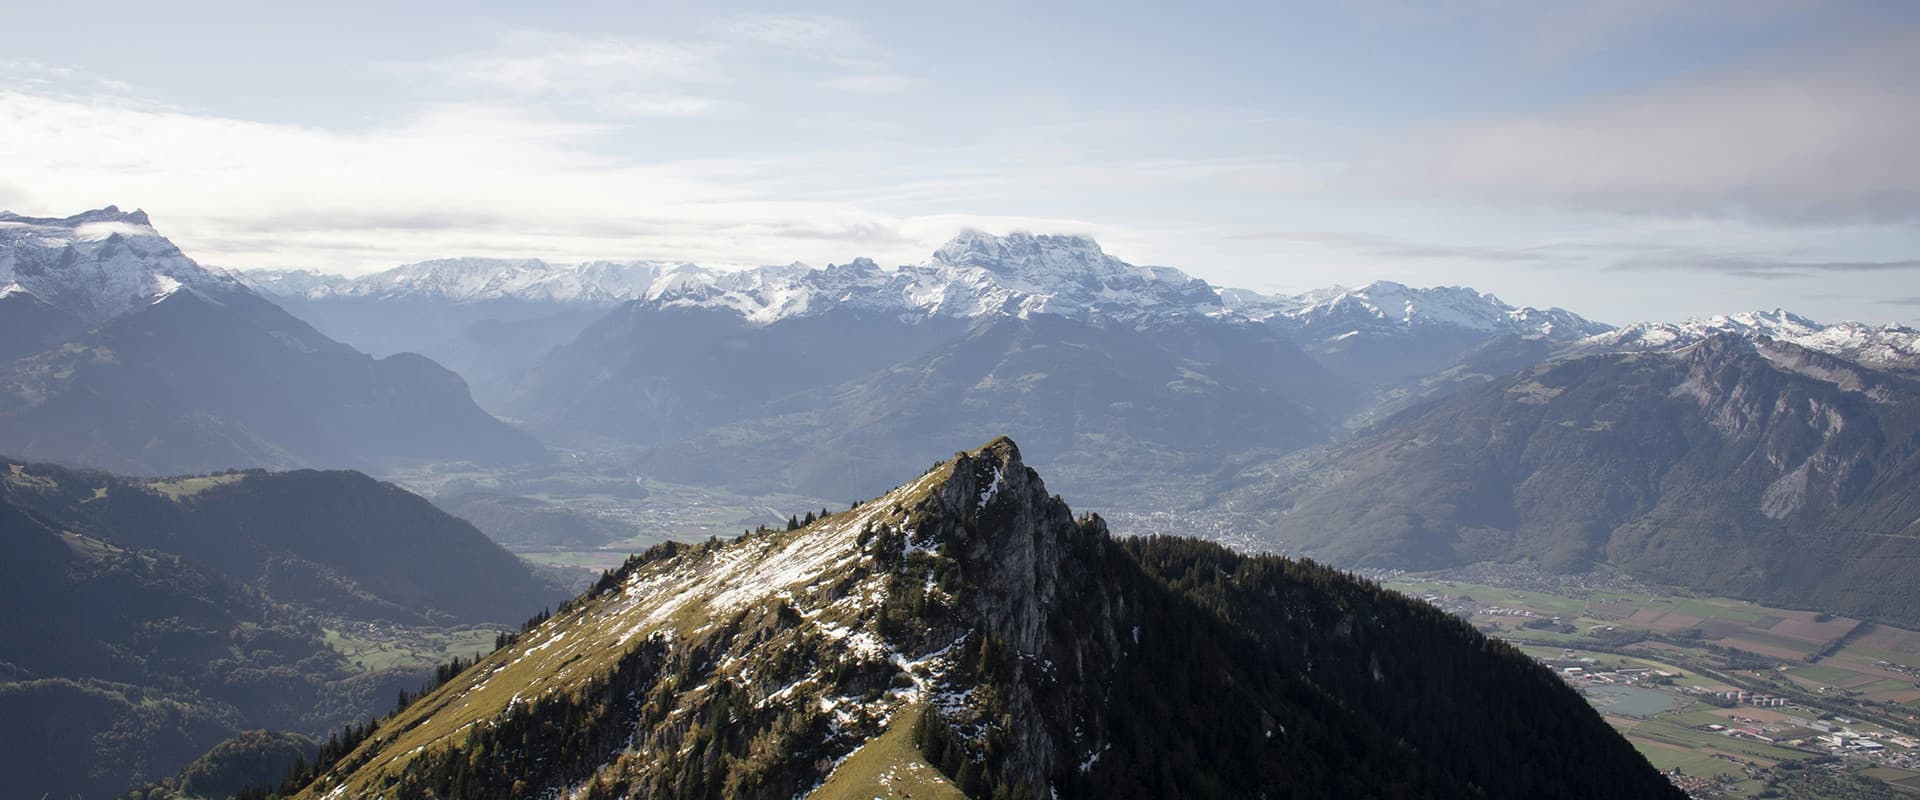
(1020, 650)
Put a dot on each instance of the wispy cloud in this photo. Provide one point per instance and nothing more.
(1813, 136)
(1752, 266)
(1900, 301)
(685, 76)
(450, 180)
(613, 76)
(869, 83)
(794, 30)
(1387, 247)
(838, 45)
(42, 76)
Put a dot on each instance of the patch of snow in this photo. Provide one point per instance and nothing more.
(992, 489)
(1094, 758)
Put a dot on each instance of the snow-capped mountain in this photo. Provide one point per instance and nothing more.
(98, 265)
(1885, 347)
(1388, 307)
(463, 280)
(1384, 333)
(123, 353)
(974, 275)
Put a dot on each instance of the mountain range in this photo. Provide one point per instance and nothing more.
(825, 380)
(1152, 390)
(1752, 467)
(130, 356)
(965, 635)
(1887, 347)
(149, 620)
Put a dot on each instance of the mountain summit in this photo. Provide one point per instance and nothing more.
(123, 353)
(98, 264)
(965, 635)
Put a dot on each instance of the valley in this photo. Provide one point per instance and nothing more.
(672, 434)
(630, 513)
(1738, 697)
(1474, 400)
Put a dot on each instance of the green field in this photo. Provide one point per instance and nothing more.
(601, 487)
(888, 767)
(188, 487)
(408, 648)
(1706, 641)
(1692, 762)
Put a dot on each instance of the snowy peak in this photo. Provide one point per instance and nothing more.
(1023, 273)
(109, 214)
(98, 264)
(291, 282)
(467, 280)
(1894, 347)
(1022, 253)
(975, 274)
(1389, 307)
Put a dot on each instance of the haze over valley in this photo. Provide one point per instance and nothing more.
(678, 402)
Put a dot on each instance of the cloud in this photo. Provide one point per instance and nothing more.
(1554, 31)
(1551, 32)
(614, 76)
(1394, 248)
(42, 76)
(1808, 137)
(449, 180)
(1753, 266)
(1900, 301)
(869, 83)
(629, 77)
(793, 30)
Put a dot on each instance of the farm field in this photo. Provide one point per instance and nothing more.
(1662, 669)
(374, 648)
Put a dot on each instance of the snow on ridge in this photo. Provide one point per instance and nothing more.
(475, 279)
(755, 569)
(99, 264)
(1884, 347)
(163, 287)
(975, 274)
(1390, 307)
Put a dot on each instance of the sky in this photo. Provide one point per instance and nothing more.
(1626, 159)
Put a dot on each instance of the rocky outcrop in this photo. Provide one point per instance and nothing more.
(1031, 654)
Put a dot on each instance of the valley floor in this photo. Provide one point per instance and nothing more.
(1731, 698)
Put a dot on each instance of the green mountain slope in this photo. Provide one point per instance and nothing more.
(192, 384)
(1024, 651)
(147, 621)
